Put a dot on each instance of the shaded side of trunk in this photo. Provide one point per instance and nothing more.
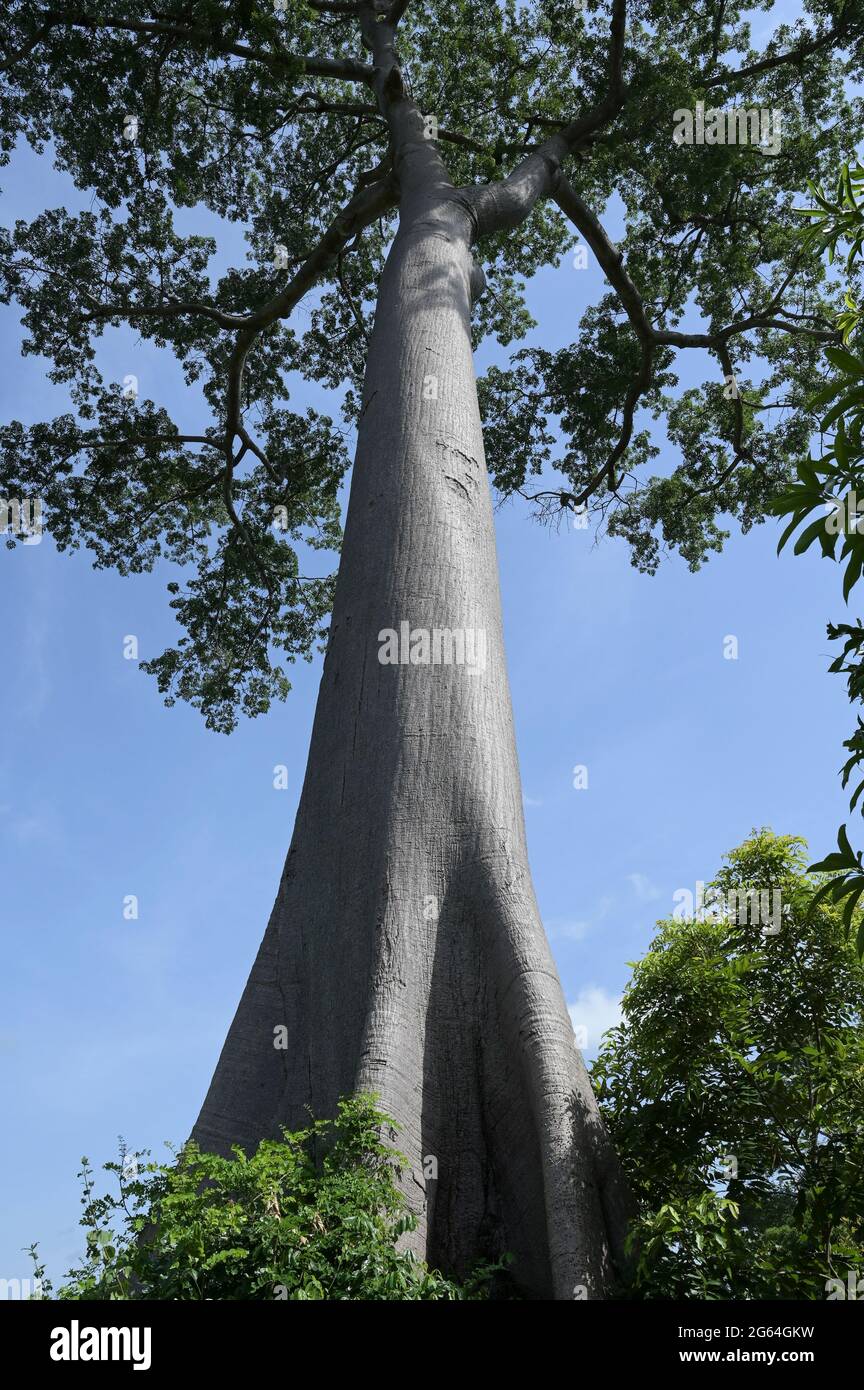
(405, 954)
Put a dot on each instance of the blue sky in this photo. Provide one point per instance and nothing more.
(110, 1026)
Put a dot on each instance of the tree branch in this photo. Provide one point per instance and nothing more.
(367, 204)
(608, 256)
(335, 7)
(96, 442)
(349, 298)
(505, 204)
(372, 199)
(794, 55)
(26, 49)
(168, 309)
(611, 262)
(349, 69)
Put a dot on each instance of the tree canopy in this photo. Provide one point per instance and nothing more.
(292, 120)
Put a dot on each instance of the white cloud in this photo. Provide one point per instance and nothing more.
(577, 928)
(531, 801)
(38, 823)
(644, 889)
(593, 1012)
(567, 929)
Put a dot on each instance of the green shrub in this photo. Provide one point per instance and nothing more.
(314, 1215)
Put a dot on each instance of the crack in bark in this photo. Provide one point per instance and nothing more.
(448, 478)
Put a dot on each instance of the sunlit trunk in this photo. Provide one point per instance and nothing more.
(405, 954)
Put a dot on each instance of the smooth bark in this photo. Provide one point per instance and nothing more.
(405, 954)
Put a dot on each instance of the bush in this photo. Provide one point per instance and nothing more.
(314, 1215)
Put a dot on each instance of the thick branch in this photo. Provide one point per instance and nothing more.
(349, 299)
(416, 162)
(506, 203)
(371, 201)
(349, 69)
(95, 441)
(335, 7)
(611, 262)
(367, 204)
(840, 30)
(170, 309)
(26, 49)
(608, 256)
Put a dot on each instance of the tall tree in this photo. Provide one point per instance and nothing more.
(413, 161)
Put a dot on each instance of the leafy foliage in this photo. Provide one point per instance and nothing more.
(734, 1091)
(316, 1214)
(265, 118)
(825, 494)
(710, 239)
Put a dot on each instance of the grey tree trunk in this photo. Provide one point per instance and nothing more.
(405, 954)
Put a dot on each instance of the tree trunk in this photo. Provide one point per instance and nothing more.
(405, 954)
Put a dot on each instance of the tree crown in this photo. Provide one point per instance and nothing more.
(315, 127)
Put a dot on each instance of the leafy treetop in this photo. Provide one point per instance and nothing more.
(302, 121)
(734, 1090)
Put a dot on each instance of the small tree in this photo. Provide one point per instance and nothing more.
(734, 1089)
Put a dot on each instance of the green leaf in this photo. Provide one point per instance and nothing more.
(813, 532)
(853, 571)
(796, 520)
(841, 407)
(843, 842)
(847, 363)
(852, 903)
